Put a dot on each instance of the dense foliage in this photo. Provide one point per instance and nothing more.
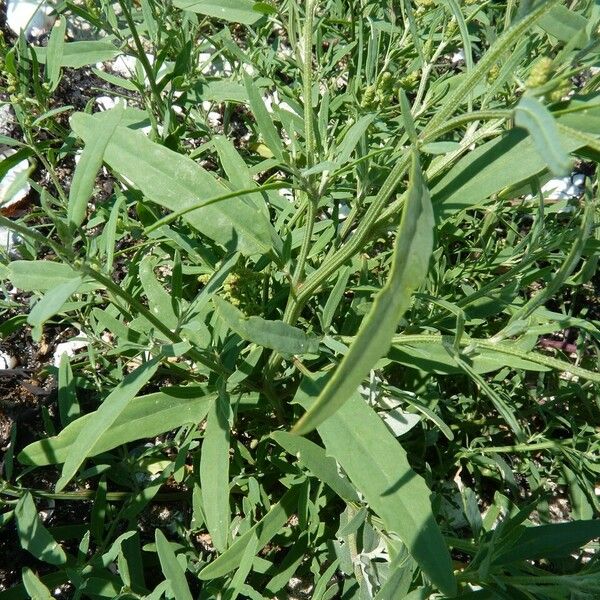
(340, 339)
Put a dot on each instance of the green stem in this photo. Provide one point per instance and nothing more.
(481, 115)
(14, 492)
(316, 279)
(142, 56)
(307, 82)
(309, 134)
(549, 445)
(196, 206)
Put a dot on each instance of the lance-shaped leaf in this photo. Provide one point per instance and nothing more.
(50, 304)
(55, 53)
(177, 182)
(536, 118)
(410, 262)
(35, 588)
(171, 568)
(144, 417)
(234, 11)
(34, 537)
(314, 458)
(276, 335)
(214, 472)
(263, 120)
(43, 275)
(114, 404)
(377, 465)
(78, 54)
(88, 166)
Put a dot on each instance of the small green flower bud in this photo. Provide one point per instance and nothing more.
(452, 27)
(493, 73)
(368, 99)
(540, 72)
(558, 93)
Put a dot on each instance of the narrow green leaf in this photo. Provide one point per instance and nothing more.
(264, 529)
(337, 293)
(351, 139)
(56, 45)
(41, 275)
(439, 147)
(93, 430)
(126, 84)
(144, 417)
(175, 181)
(130, 563)
(498, 401)
(565, 25)
(51, 303)
(464, 32)
(235, 168)
(537, 120)
(241, 178)
(414, 243)
(237, 581)
(214, 472)
(35, 588)
(34, 537)
(583, 136)
(149, 19)
(79, 54)
(557, 540)
(159, 300)
(98, 513)
(233, 11)
(171, 568)
(314, 458)
(428, 353)
(68, 406)
(89, 164)
(276, 335)
(377, 465)
(51, 113)
(51, 581)
(263, 120)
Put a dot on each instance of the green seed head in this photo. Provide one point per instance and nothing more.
(540, 73)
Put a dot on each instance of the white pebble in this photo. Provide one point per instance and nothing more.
(214, 119)
(14, 185)
(579, 180)
(30, 16)
(8, 242)
(287, 194)
(458, 57)
(7, 361)
(69, 348)
(105, 102)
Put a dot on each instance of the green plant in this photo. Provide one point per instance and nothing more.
(347, 385)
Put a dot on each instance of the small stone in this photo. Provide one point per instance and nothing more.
(7, 361)
(458, 57)
(14, 186)
(9, 241)
(69, 348)
(30, 16)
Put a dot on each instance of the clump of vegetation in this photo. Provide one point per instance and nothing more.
(340, 339)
